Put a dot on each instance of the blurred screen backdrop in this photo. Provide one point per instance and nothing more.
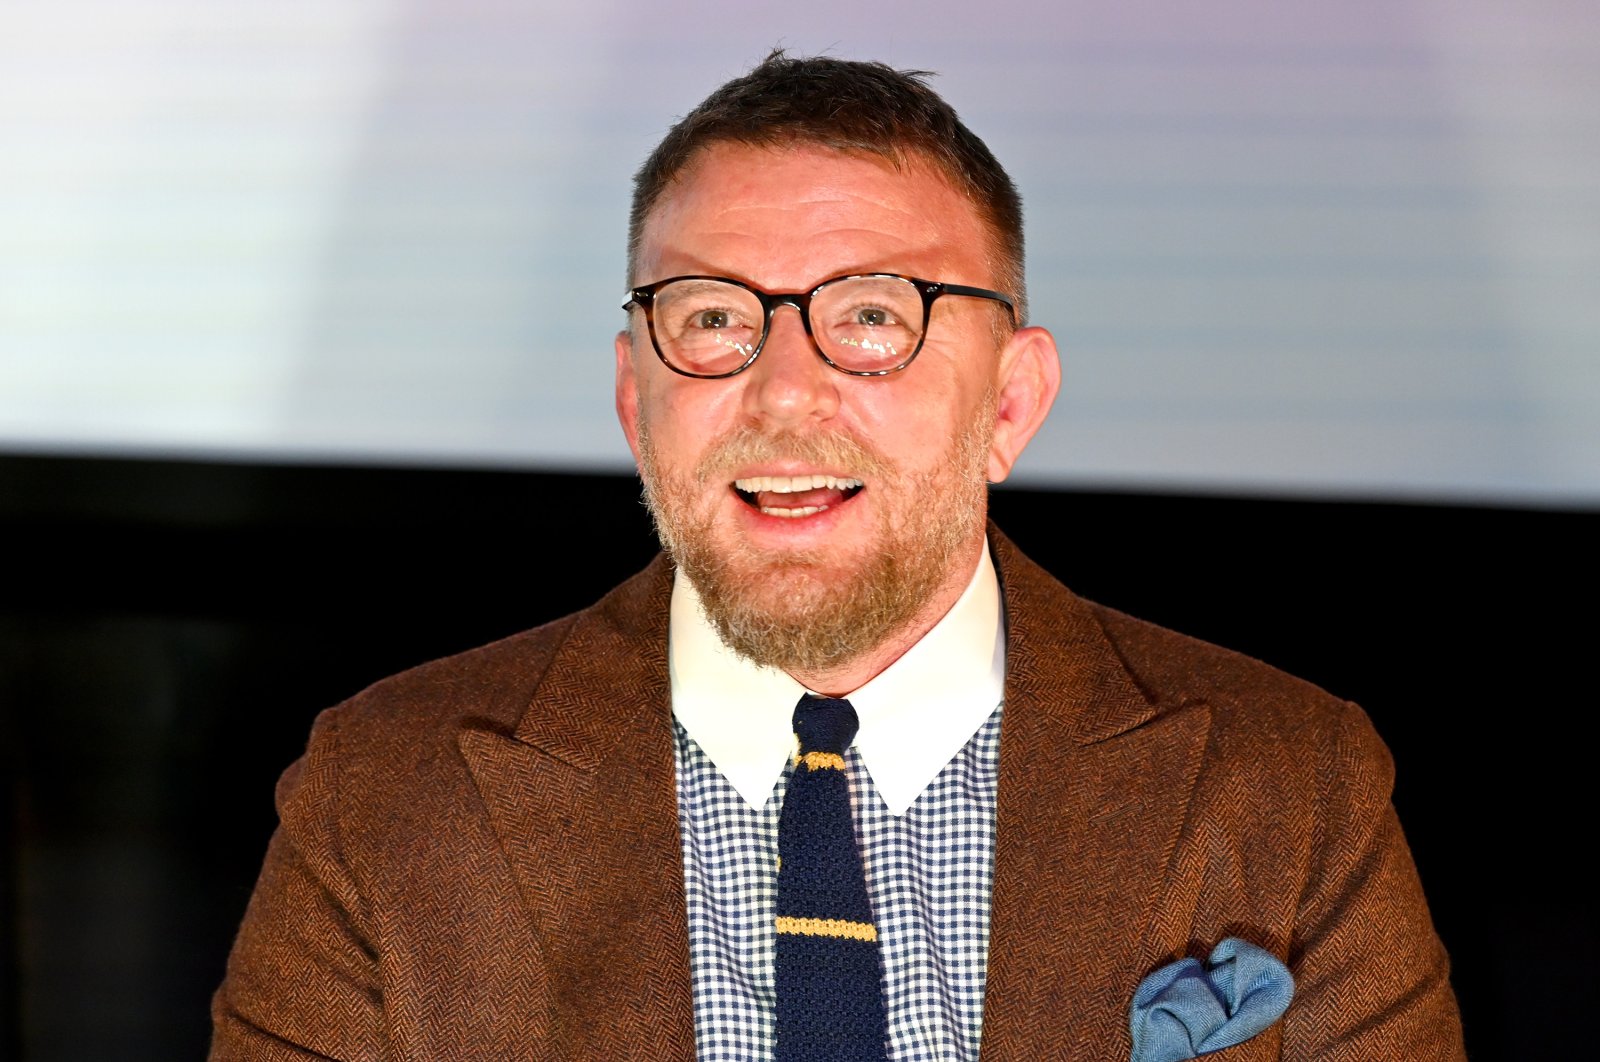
(1345, 250)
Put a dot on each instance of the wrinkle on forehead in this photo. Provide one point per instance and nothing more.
(723, 206)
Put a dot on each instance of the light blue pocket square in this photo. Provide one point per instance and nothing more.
(1185, 1010)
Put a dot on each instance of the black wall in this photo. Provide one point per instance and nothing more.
(168, 630)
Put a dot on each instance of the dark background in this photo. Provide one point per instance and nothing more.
(169, 629)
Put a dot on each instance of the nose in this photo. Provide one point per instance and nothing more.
(789, 383)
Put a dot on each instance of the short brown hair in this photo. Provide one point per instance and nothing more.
(860, 107)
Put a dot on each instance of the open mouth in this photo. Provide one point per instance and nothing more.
(795, 496)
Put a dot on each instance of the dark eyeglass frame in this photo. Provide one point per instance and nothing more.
(931, 291)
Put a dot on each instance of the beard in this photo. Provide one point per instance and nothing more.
(812, 611)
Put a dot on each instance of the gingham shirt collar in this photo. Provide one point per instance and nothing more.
(915, 715)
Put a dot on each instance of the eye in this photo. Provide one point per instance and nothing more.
(705, 318)
(874, 317)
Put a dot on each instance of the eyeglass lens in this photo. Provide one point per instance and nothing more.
(863, 324)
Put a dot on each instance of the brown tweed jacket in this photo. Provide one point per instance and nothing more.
(479, 858)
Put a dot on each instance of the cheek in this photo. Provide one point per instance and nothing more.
(682, 417)
(917, 426)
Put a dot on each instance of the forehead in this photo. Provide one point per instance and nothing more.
(784, 218)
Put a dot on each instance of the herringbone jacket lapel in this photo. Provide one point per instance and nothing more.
(1094, 790)
(582, 798)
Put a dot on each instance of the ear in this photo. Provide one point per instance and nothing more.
(627, 392)
(1028, 381)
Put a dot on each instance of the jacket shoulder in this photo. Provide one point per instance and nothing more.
(494, 686)
(1165, 663)
(1254, 706)
(490, 682)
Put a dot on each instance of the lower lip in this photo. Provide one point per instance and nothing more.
(821, 521)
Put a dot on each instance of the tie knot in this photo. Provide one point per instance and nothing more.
(824, 724)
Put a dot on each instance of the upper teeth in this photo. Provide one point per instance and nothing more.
(793, 484)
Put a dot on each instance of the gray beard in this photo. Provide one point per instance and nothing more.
(799, 613)
(825, 623)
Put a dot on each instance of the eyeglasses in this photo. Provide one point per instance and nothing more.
(866, 325)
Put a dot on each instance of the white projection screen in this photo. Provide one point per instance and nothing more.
(1341, 250)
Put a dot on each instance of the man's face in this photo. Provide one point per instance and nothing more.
(820, 514)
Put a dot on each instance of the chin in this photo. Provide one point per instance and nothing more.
(802, 615)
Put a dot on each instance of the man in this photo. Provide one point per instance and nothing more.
(567, 844)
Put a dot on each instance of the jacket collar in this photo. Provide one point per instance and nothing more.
(1058, 659)
(1095, 785)
(1095, 778)
(618, 651)
(582, 797)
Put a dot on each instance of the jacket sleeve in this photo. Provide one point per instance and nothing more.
(302, 981)
(1372, 979)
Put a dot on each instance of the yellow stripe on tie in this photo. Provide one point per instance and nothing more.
(817, 761)
(828, 927)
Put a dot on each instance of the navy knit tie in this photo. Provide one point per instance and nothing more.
(830, 987)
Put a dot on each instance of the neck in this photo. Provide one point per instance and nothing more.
(853, 674)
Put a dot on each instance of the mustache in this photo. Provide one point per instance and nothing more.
(746, 446)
